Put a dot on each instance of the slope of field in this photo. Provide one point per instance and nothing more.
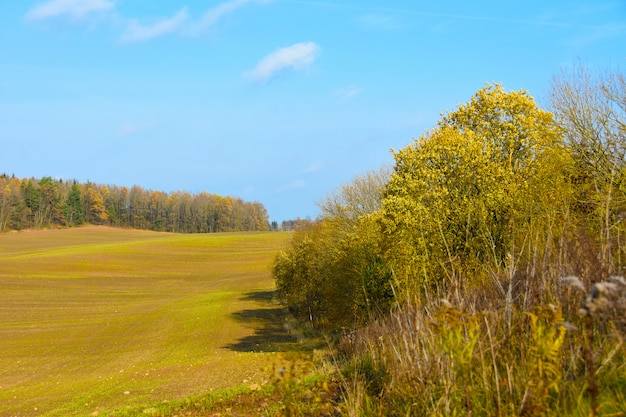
(97, 318)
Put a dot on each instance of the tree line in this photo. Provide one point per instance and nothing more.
(41, 203)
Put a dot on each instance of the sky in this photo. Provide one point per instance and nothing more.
(275, 101)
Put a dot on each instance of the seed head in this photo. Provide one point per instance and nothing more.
(574, 282)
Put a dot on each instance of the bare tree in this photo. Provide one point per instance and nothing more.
(591, 108)
(361, 196)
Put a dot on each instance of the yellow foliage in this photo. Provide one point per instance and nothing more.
(461, 194)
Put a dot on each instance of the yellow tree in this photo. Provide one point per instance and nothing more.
(96, 196)
(6, 197)
(465, 196)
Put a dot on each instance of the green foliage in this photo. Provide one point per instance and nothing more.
(74, 207)
(332, 278)
(295, 270)
(378, 286)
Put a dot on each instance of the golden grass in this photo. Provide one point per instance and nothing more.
(96, 318)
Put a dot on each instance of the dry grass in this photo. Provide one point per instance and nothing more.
(430, 357)
(97, 318)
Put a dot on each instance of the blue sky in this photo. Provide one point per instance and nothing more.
(277, 101)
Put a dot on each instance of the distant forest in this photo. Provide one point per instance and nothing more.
(47, 202)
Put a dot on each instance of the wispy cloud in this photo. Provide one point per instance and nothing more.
(315, 167)
(133, 128)
(293, 185)
(213, 15)
(348, 93)
(377, 16)
(596, 35)
(378, 21)
(137, 32)
(298, 57)
(74, 9)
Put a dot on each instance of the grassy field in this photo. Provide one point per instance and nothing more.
(96, 318)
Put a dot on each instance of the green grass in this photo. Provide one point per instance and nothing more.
(96, 318)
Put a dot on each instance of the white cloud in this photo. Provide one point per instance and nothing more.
(137, 32)
(298, 56)
(75, 9)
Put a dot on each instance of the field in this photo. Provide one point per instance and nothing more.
(96, 318)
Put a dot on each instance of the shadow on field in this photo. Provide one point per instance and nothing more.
(270, 334)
